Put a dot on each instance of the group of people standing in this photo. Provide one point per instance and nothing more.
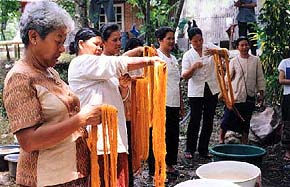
(50, 119)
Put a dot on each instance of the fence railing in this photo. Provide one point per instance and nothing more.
(16, 45)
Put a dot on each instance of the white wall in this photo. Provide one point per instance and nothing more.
(213, 17)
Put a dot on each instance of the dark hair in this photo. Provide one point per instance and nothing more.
(193, 31)
(194, 23)
(83, 34)
(160, 34)
(241, 39)
(108, 29)
(133, 43)
(191, 24)
(97, 32)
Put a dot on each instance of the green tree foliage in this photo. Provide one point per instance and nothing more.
(162, 13)
(8, 10)
(68, 5)
(274, 38)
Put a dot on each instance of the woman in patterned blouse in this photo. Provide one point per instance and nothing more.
(43, 112)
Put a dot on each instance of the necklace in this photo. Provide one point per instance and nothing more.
(52, 75)
(47, 73)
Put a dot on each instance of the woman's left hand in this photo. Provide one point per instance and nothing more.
(153, 60)
(125, 81)
(209, 52)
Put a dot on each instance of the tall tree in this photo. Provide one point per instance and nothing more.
(81, 13)
(274, 39)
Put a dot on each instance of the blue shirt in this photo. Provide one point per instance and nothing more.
(246, 14)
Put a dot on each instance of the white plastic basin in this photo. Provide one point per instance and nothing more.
(206, 183)
(241, 173)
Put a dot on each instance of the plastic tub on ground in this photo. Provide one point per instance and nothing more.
(206, 183)
(12, 163)
(6, 150)
(238, 152)
(240, 173)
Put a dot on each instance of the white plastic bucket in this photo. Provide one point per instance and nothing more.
(241, 173)
(206, 183)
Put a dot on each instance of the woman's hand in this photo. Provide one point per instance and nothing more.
(197, 65)
(209, 52)
(138, 51)
(151, 60)
(125, 81)
(91, 114)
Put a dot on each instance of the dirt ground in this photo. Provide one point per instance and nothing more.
(273, 174)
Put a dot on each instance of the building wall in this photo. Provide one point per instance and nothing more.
(130, 17)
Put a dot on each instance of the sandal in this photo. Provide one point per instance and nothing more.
(188, 155)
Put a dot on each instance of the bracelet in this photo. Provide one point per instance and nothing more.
(127, 96)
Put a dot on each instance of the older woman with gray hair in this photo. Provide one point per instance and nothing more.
(44, 113)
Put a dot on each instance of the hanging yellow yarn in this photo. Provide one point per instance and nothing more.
(148, 110)
(142, 113)
(92, 144)
(140, 122)
(227, 92)
(159, 120)
(110, 129)
(149, 75)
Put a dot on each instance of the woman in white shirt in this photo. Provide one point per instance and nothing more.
(165, 37)
(284, 79)
(198, 69)
(95, 80)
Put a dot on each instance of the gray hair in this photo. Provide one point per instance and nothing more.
(43, 17)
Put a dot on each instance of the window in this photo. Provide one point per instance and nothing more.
(119, 16)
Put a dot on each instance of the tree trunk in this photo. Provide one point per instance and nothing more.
(81, 17)
(178, 13)
(6, 46)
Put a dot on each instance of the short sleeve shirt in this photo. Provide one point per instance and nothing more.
(285, 67)
(33, 99)
(206, 74)
(173, 79)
